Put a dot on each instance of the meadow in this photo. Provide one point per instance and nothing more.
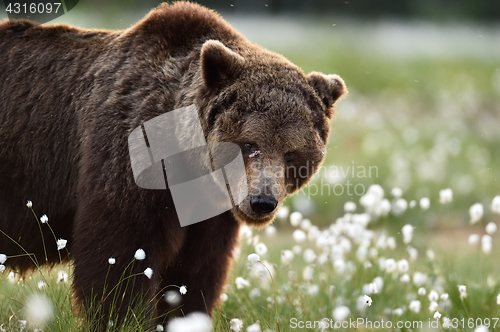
(404, 210)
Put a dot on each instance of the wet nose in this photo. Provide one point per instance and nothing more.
(263, 204)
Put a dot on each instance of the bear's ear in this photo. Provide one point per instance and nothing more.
(328, 87)
(219, 64)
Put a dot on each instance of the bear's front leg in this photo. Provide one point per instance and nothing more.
(117, 289)
(202, 266)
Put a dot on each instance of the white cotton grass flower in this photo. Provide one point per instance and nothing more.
(29, 204)
(425, 203)
(241, 283)
(421, 291)
(341, 313)
(254, 328)
(419, 278)
(383, 208)
(62, 276)
(399, 206)
(491, 228)
(173, 298)
(3, 258)
(476, 212)
(444, 296)
(433, 306)
(12, 275)
(299, 235)
(309, 256)
(405, 278)
(39, 310)
(403, 266)
(111, 261)
(379, 281)
(183, 290)
(498, 299)
(412, 204)
(445, 196)
(415, 306)
(313, 290)
(495, 205)
(2, 268)
(350, 207)
(413, 253)
(397, 192)
(193, 322)
(481, 328)
(462, 288)
(224, 297)
(160, 328)
(261, 249)
(308, 273)
(283, 212)
(236, 253)
(390, 265)
(446, 322)
(44, 219)
(140, 254)
(373, 288)
(254, 293)
(391, 243)
(236, 324)
(295, 218)
(433, 295)
(437, 315)
(473, 239)
(270, 231)
(253, 258)
(486, 243)
(398, 311)
(286, 257)
(305, 224)
(245, 232)
(148, 272)
(407, 231)
(61, 244)
(368, 300)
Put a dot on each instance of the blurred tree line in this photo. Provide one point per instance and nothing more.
(437, 10)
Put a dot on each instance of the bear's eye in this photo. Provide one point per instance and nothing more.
(249, 146)
(290, 156)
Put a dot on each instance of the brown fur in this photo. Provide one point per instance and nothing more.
(70, 97)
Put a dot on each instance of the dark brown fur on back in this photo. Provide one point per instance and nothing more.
(70, 97)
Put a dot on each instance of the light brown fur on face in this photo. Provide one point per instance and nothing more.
(268, 105)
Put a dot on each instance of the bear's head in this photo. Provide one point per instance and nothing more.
(278, 116)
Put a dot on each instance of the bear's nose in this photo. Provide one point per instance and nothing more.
(263, 204)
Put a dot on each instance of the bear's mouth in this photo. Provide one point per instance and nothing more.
(252, 219)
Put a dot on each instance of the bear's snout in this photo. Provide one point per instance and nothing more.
(263, 204)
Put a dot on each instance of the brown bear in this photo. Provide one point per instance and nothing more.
(69, 98)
